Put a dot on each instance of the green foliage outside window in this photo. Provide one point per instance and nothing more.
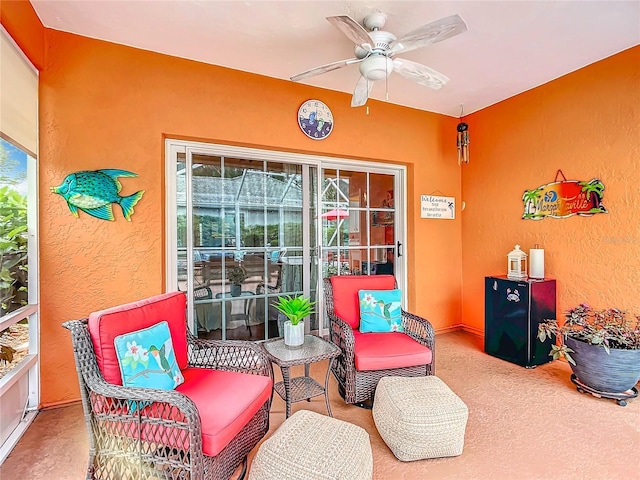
(13, 250)
(13, 237)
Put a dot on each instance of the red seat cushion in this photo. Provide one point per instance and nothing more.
(107, 324)
(382, 351)
(226, 402)
(346, 304)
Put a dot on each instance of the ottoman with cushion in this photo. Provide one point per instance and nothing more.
(419, 417)
(310, 446)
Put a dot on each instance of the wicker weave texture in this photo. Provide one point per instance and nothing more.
(358, 386)
(162, 437)
(419, 417)
(314, 349)
(310, 446)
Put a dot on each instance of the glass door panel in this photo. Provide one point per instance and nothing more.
(246, 235)
(335, 262)
(361, 239)
(358, 227)
(356, 261)
(381, 191)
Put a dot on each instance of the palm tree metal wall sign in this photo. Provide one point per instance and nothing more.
(562, 199)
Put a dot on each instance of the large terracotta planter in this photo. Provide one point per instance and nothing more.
(615, 372)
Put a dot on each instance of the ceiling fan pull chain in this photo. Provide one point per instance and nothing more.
(386, 88)
(386, 81)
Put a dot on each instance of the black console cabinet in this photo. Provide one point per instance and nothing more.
(513, 310)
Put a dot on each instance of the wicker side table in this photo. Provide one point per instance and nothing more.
(314, 349)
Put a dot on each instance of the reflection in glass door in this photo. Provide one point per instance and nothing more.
(247, 224)
(358, 223)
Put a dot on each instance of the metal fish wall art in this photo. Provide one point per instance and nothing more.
(94, 192)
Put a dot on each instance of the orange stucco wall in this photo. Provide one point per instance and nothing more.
(109, 106)
(21, 22)
(587, 124)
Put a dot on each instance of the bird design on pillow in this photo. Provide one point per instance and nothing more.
(161, 355)
(161, 359)
(387, 309)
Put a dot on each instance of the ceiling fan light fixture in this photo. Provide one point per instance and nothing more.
(376, 67)
(375, 52)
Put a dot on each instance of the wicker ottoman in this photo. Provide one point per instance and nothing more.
(419, 417)
(309, 446)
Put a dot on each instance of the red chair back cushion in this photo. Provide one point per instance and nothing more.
(346, 303)
(107, 324)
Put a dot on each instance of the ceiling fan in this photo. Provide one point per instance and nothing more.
(375, 52)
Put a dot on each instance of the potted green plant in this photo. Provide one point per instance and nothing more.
(295, 309)
(602, 347)
(236, 277)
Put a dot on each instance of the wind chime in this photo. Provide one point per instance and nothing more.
(463, 140)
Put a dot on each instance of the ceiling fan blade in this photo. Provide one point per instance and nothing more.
(353, 30)
(430, 33)
(361, 92)
(420, 73)
(324, 69)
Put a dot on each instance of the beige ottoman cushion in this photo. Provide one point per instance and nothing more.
(309, 446)
(419, 417)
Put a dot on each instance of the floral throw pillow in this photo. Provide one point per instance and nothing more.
(147, 359)
(380, 311)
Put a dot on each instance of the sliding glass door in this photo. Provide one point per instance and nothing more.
(247, 223)
(245, 227)
(358, 223)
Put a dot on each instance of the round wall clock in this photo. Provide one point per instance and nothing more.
(315, 119)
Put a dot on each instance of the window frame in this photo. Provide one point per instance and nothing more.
(29, 365)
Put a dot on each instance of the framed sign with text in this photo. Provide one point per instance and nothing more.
(562, 199)
(434, 206)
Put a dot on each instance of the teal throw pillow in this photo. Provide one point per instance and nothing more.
(380, 311)
(147, 359)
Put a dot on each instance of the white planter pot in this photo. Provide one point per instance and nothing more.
(293, 334)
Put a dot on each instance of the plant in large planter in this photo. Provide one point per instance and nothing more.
(602, 347)
(236, 276)
(295, 309)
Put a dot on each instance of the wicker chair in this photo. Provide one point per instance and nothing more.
(358, 385)
(144, 433)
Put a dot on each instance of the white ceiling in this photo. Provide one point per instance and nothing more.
(510, 46)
